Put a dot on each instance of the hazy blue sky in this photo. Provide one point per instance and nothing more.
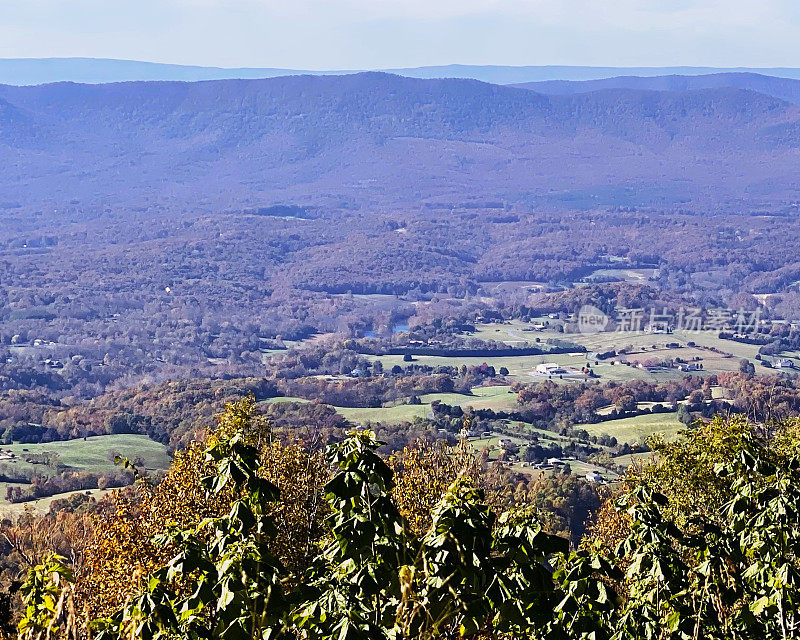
(348, 34)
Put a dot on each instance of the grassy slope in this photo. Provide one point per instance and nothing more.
(497, 398)
(41, 506)
(388, 415)
(93, 454)
(636, 429)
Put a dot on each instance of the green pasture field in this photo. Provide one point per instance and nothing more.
(92, 454)
(792, 355)
(497, 398)
(629, 459)
(582, 468)
(604, 411)
(638, 340)
(628, 275)
(385, 415)
(710, 339)
(637, 428)
(493, 442)
(519, 367)
(513, 332)
(283, 399)
(578, 468)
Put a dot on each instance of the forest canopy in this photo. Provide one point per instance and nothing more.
(251, 536)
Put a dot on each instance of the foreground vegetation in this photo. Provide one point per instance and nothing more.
(249, 537)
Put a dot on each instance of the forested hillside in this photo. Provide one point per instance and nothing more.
(382, 138)
(782, 88)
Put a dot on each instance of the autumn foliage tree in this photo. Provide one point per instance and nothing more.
(671, 568)
(123, 552)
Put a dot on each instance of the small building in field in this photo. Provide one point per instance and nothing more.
(657, 327)
(550, 368)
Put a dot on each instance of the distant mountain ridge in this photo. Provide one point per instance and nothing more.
(32, 71)
(783, 88)
(377, 139)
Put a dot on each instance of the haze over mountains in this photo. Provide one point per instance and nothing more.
(372, 138)
(784, 88)
(30, 71)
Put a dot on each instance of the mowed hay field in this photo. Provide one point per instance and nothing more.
(385, 415)
(42, 505)
(637, 428)
(520, 368)
(95, 453)
(496, 398)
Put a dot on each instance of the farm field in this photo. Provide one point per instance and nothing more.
(497, 398)
(627, 275)
(94, 453)
(282, 399)
(630, 458)
(386, 415)
(519, 367)
(577, 467)
(710, 339)
(640, 346)
(493, 443)
(42, 505)
(580, 468)
(637, 428)
(514, 332)
(792, 355)
(604, 411)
